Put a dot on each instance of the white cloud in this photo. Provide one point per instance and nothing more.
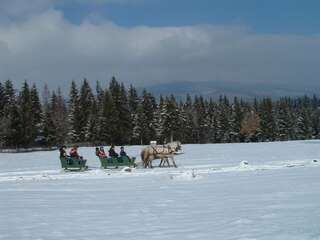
(23, 8)
(47, 48)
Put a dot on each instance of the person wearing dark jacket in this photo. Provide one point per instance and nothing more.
(112, 152)
(97, 151)
(63, 152)
(122, 152)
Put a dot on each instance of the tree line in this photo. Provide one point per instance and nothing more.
(115, 114)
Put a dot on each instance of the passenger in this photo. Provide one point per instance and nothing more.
(74, 152)
(102, 153)
(112, 152)
(122, 152)
(63, 152)
(97, 151)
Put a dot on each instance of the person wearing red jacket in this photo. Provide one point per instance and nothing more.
(74, 152)
(102, 153)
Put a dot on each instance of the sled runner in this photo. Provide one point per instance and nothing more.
(115, 162)
(73, 164)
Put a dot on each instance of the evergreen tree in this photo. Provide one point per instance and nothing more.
(148, 107)
(50, 122)
(26, 113)
(2, 101)
(201, 119)
(36, 112)
(92, 129)
(188, 130)
(171, 120)
(285, 120)
(267, 121)
(58, 114)
(159, 117)
(15, 127)
(213, 123)
(139, 126)
(11, 122)
(133, 99)
(304, 124)
(108, 123)
(236, 120)
(85, 109)
(9, 97)
(74, 132)
(224, 116)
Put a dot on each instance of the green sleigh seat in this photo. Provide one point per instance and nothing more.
(73, 164)
(115, 162)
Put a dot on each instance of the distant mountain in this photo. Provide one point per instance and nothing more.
(215, 89)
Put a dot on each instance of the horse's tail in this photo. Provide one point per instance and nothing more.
(144, 157)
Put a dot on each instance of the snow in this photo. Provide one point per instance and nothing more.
(221, 191)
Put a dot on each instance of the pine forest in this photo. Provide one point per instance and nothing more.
(124, 116)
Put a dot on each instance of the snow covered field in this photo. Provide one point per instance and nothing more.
(212, 195)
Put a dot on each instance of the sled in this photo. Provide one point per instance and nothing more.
(115, 162)
(73, 164)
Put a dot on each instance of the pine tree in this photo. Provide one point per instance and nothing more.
(108, 122)
(188, 130)
(74, 131)
(58, 115)
(202, 120)
(14, 135)
(134, 101)
(267, 120)
(50, 122)
(304, 124)
(11, 122)
(139, 126)
(159, 120)
(223, 120)
(171, 121)
(9, 96)
(124, 117)
(149, 106)
(85, 109)
(285, 120)
(236, 120)
(25, 106)
(92, 129)
(2, 101)
(213, 121)
(36, 114)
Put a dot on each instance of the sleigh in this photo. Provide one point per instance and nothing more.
(115, 162)
(73, 164)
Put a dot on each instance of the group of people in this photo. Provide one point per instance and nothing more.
(73, 153)
(112, 152)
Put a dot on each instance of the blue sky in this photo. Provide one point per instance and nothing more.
(270, 16)
(266, 45)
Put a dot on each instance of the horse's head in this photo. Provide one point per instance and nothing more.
(178, 146)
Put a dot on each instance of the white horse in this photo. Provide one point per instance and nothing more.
(162, 152)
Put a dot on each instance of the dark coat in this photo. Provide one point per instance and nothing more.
(112, 153)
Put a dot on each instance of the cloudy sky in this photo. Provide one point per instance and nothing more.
(148, 42)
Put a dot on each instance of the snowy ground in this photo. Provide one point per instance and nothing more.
(212, 195)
